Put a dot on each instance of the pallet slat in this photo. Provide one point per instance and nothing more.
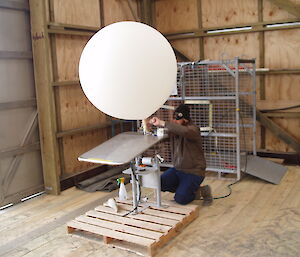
(120, 227)
(151, 218)
(141, 233)
(110, 233)
(170, 208)
(128, 221)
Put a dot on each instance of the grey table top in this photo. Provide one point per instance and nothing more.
(120, 149)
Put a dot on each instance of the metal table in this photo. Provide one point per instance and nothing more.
(122, 149)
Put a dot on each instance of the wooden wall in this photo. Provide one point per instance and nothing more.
(276, 49)
(70, 125)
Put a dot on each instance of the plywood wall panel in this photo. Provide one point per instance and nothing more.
(271, 12)
(68, 52)
(283, 87)
(77, 12)
(281, 49)
(76, 110)
(116, 10)
(245, 45)
(74, 146)
(291, 126)
(176, 15)
(216, 13)
(189, 47)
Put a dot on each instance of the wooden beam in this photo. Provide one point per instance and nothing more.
(241, 25)
(200, 26)
(203, 33)
(278, 71)
(147, 12)
(4, 153)
(18, 104)
(289, 6)
(101, 11)
(45, 96)
(180, 55)
(262, 86)
(283, 114)
(133, 13)
(15, 55)
(278, 131)
(30, 131)
(14, 5)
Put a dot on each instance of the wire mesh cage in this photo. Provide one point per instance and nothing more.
(221, 96)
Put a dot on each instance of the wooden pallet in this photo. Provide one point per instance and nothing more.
(143, 233)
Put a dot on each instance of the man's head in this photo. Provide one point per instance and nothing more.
(182, 114)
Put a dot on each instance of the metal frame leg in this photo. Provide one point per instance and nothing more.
(158, 189)
(134, 188)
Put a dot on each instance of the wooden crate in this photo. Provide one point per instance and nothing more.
(143, 233)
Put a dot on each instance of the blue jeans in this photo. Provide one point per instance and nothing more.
(184, 185)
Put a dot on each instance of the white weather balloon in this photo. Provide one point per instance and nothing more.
(128, 70)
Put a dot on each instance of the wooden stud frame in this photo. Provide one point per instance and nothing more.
(45, 96)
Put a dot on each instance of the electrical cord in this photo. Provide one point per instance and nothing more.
(230, 191)
(229, 186)
(139, 199)
(281, 109)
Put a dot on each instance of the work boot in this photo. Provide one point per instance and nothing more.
(205, 192)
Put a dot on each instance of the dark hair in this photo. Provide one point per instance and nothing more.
(182, 112)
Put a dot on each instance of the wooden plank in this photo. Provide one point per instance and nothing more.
(77, 12)
(283, 114)
(83, 129)
(75, 110)
(278, 57)
(278, 131)
(8, 152)
(120, 227)
(45, 97)
(228, 12)
(189, 47)
(128, 221)
(142, 217)
(75, 145)
(230, 46)
(200, 26)
(176, 15)
(180, 56)
(282, 87)
(272, 12)
(290, 126)
(156, 212)
(260, 85)
(109, 233)
(273, 215)
(172, 209)
(14, 5)
(115, 10)
(18, 104)
(265, 104)
(288, 5)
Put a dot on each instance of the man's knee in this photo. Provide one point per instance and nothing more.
(183, 199)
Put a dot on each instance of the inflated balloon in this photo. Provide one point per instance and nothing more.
(128, 70)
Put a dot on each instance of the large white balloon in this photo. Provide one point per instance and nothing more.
(128, 70)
